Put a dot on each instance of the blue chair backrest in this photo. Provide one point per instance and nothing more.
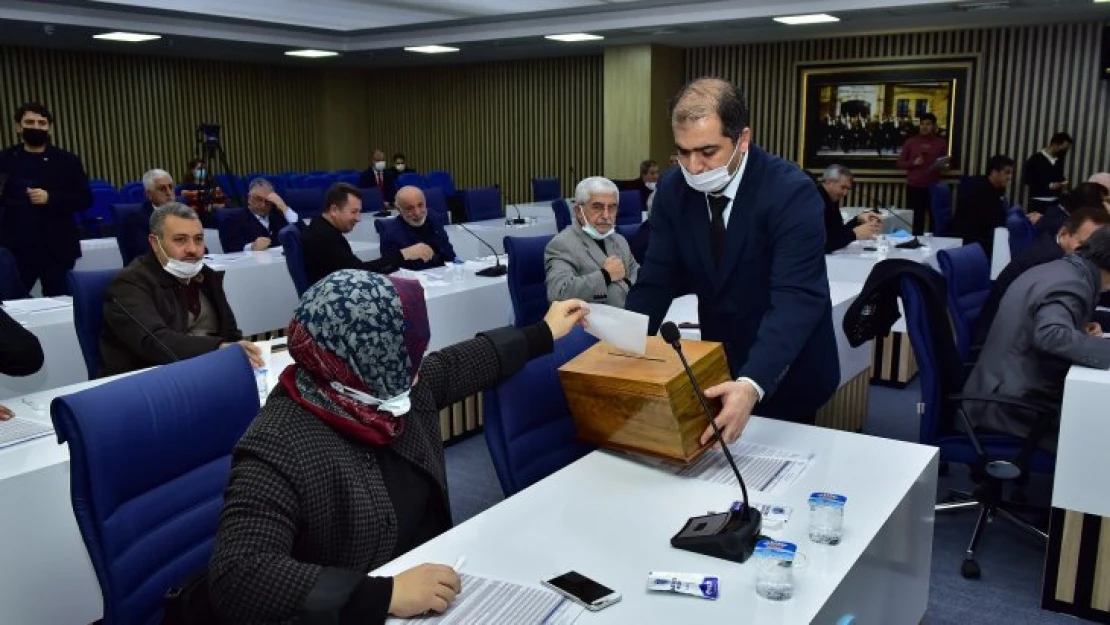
(527, 424)
(940, 204)
(372, 200)
(133, 192)
(443, 180)
(637, 241)
(318, 181)
(11, 283)
(87, 289)
(629, 208)
(546, 189)
(410, 179)
(230, 184)
(482, 203)
(1022, 231)
(130, 227)
(928, 360)
(101, 208)
(436, 202)
(351, 179)
(527, 288)
(290, 238)
(308, 202)
(967, 270)
(562, 214)
(150, 457)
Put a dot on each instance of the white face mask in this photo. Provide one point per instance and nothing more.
(396, 406)
(591, 231)
(179, 268)
(650, 186)
(713, 180)
(379, 165)
(400, 167)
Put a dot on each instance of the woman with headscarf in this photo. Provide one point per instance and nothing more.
(343, 470)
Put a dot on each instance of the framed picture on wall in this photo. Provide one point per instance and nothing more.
(859, 114)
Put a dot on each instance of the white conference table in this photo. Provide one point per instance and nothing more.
(63, 363)
(854, 264)
(493, 232)
(611, 519)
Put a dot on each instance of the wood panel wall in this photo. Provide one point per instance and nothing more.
(1035, 80)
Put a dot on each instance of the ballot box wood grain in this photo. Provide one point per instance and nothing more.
(643, 403)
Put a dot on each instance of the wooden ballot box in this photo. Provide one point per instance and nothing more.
(643, 403)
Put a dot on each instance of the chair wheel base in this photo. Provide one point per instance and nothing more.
(970, 569)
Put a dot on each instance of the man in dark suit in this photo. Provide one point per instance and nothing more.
(133, 227)
(41, 187)
(377, 176)
(742, 230)
(1046, 248)
(1044, 326)
(326, 249)
(414, 226)
(833, 186)
(256, 227)
(1044, 173)
(985, 206)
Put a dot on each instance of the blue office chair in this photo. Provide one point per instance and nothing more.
(436, 202)
(372, 201)
(998, 460)
(11, 283)
(482, 204)
(527, 288)
(940, 205)
(87, 288)
(545, 189)
(133, 192)
(527, 424)
(290, 238)
(411, 179)
(150, 457)
(379, 226)
(562, 214)
(629, 208)
(638, 236)
(308, 201)
(1022, 231)
(967, 271)
(131, 227)
(443, 180)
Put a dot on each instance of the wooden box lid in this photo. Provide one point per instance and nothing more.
(658, 372)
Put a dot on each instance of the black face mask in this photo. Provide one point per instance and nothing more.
(35, 137)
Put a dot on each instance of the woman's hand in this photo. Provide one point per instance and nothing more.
(424, 588)
(564, 315)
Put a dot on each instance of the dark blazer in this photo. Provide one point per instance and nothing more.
(241, 227)
(1039, 173)
(20, 350)
(397, 235)
(768, 302)
(368, 180)
(326, 250)
(1044, 249)
(980, 212)
(838, 233)
(158, 301)
(133, 231)
(25, 228)
(307, 513)
(1053, 217)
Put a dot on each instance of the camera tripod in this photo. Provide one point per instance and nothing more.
(211, 153)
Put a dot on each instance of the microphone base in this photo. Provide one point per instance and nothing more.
(492, 272)
(383, 214)
(516, 222)
(725, 535)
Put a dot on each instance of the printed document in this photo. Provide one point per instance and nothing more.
(486, 601)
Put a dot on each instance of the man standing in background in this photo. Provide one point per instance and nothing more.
(920, 158)
(41, 187)
(1044, 173)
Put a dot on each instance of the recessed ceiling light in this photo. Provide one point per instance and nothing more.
(816, 18)
(128, 37)
(430, 49)
(572, 37)
(311, 54)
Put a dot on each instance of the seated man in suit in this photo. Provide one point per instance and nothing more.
(256, 227)
(1084, 194)
(1079, 227)
(834, 186)
(166, 305)
(590, 260)
(415, 226)
(134, 227)
(985, 206)
(1043, 327)
(326, 249)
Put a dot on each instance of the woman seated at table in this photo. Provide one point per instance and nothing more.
(343, 469)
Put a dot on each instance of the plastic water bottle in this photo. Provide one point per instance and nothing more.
(826, 518)
(774, 574)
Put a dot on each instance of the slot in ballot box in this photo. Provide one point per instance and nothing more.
(644, 404)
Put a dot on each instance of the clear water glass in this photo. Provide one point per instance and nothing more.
(927, 241)
(774, 572)
(882, 244)
(826, 518)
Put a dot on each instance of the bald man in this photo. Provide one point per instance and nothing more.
(414, 226)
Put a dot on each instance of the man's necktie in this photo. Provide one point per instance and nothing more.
(717, 205)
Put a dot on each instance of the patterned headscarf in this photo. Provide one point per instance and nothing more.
(365, 331)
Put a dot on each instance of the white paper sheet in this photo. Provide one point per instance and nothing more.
(226, 258)
(767, 470)
(624, 329)
(491, 602)
(35, 304)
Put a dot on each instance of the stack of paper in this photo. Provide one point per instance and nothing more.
(765, 469)
(37, 304)
(490, 602)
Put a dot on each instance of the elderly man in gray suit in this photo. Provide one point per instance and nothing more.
(1043, 327)
(590, 260)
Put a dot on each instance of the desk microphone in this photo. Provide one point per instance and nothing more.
(168, 351)
(489, 272)
(726, 535)
(519, 221)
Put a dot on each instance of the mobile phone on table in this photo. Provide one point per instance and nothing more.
(583, 591)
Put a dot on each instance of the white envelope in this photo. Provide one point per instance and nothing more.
(624, 329)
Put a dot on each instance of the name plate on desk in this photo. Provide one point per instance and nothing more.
(644, 404)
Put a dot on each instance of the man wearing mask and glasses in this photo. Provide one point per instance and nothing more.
(41, 187)
(743, 230)
(590, 260)
(166, 305)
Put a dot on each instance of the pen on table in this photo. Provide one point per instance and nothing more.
(459, 564)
